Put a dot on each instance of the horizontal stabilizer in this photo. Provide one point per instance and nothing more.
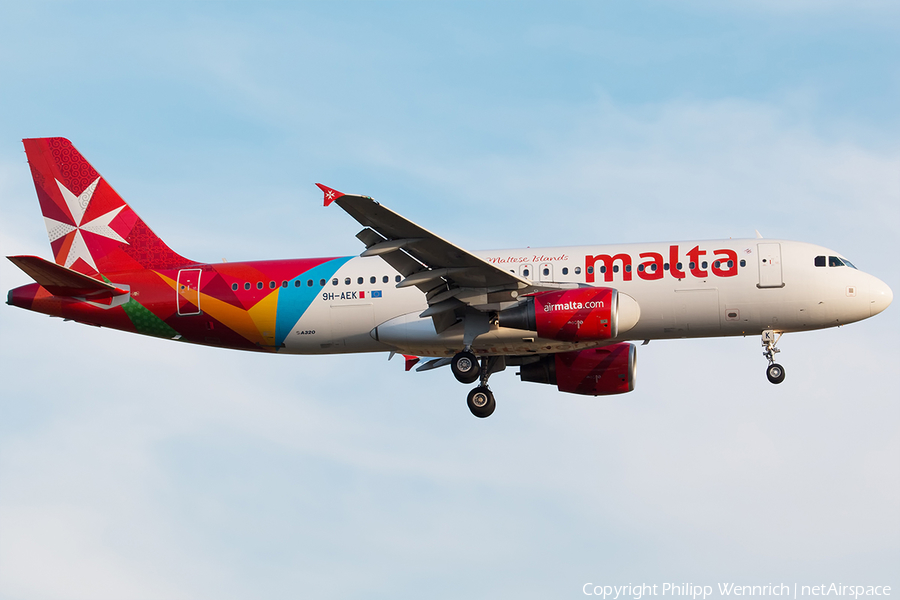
(434, 364)
(62, 281)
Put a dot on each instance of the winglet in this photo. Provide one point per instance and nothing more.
(330, 194)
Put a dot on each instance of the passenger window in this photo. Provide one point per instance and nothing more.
(259, 285)
(717, 264)
(372, 279)
(641, 268)
(271, 285)
(653, 268)
(615, 269)
(591, 270)
(385, 279)
(284, 283)
(234, 287)
(397, 278)
(565, 270)
(525, 273)
(346, 281)
(359, 281)
(334, 281)
(678, 266)
(743, 263)
(578, 270)
(665, 266)
(247, 286)
(603, 268)
(730, 263)
(692, 265)
(546, 272)
(820, 261)
(322, 282)
(704, 265)
(309, 283)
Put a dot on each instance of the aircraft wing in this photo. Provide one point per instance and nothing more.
(451, 278)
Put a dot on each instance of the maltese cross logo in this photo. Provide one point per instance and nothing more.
(74, 245)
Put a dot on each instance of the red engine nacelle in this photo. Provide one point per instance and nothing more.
(593, 372)
(579, 315)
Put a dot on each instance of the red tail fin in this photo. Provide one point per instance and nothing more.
(91, 229)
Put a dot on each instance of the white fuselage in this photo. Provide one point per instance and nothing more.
(684, 289)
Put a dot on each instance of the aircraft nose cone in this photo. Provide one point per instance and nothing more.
(881, 297)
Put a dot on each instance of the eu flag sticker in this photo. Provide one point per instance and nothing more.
(376, 293)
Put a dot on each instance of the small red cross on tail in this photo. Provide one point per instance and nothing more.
(330, 194)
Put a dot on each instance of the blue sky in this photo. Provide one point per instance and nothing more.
(135, 468)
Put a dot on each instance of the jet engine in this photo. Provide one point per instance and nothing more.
(578, 315)
(593, 372)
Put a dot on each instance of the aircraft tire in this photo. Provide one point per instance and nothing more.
(465, 367)
(775, 373)
(481, 402)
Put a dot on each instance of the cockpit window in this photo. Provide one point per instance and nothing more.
(834, 261)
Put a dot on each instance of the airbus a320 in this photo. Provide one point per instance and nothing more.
(564, 316)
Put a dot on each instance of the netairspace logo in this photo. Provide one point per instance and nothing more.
(695, 592)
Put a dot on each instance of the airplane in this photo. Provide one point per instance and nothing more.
(565, 316)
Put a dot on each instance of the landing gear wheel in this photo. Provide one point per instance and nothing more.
(481, 402)
(775, 373)
(465, 367)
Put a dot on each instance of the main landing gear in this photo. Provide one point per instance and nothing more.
(774, 372)
(466, 369)
(481, 402)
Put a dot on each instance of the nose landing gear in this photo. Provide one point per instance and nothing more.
(774, 372)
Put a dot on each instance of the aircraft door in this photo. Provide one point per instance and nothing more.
(546, 272)
(187, 294)
(769, 257)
